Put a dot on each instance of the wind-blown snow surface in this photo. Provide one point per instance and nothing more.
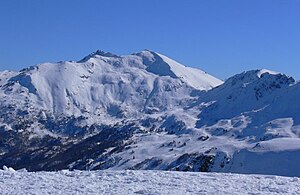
(143, 182)
(146, 111)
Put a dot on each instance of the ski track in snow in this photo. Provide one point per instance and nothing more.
(143, 182)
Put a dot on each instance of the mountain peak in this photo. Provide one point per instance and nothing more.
(98, 53)
(250, 76)
(260, 72)
(103, 53)
(164, 66)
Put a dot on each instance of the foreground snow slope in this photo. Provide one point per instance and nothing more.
(143, 182)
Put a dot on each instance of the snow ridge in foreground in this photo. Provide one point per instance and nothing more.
(143, 182)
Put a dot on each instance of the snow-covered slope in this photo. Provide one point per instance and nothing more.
(194, 77)
(105, 84)
(146, 111)
(143, 182)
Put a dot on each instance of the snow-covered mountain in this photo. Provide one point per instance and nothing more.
(106, 85)
(147, 111)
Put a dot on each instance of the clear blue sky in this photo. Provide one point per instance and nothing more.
(222, 37)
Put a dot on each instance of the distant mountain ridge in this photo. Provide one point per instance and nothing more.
(147, 111)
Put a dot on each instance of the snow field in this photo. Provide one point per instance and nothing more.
(142, 182)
